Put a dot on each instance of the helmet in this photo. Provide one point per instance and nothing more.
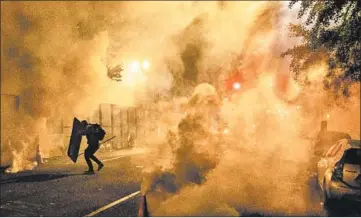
(84, 123)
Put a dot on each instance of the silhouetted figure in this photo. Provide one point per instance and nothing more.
(93, 133)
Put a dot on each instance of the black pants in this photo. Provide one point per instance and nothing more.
(89, 154)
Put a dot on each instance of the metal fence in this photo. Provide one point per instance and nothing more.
(127, 124)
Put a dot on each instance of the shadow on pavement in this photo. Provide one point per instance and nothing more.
(37, 178)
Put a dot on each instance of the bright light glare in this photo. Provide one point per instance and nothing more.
(146, 65)
(134, 67)
(236, 86)
(225, 131)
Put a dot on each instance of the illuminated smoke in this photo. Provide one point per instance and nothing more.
(55, 56)
(259, 164)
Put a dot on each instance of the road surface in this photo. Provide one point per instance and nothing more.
(59, 188)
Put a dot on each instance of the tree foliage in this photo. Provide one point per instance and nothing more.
(331, 32)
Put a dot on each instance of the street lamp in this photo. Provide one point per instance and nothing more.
(225, 131)
(134, 67)
(236, 85)
(145, 65)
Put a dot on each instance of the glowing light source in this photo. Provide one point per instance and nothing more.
(225, 131)
(135, 66)
(146, 65)
(236, 85)
(327, 116)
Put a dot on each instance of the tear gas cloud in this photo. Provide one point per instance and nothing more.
(261, 162)
(55, 56)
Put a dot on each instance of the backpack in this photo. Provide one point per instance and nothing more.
(99, 131)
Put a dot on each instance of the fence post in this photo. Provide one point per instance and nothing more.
(112, 122)
(136, 122)
(100, 114)
(121, 126)
(128, 124)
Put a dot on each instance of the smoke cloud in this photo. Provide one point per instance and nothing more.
(247, 152)
(216, 154)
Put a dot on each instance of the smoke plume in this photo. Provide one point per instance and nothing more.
(216, 154)
(248, 152)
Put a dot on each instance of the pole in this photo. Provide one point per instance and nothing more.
(128, 124)
(112, 120)
(101, 143)
(121, 126)
(100, 114)
(143, 210)
(136, 121)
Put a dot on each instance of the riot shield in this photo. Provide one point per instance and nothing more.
(75, 140)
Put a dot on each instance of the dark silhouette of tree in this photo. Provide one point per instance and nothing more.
(331, 32)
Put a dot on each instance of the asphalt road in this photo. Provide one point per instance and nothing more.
(59, 188)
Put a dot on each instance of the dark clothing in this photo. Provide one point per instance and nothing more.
(90, 133)
(93, 146)
(89, 154)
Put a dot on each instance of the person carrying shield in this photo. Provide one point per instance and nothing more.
(92, 131)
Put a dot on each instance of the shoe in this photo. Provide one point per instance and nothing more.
(89, 172)
(100, 166)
